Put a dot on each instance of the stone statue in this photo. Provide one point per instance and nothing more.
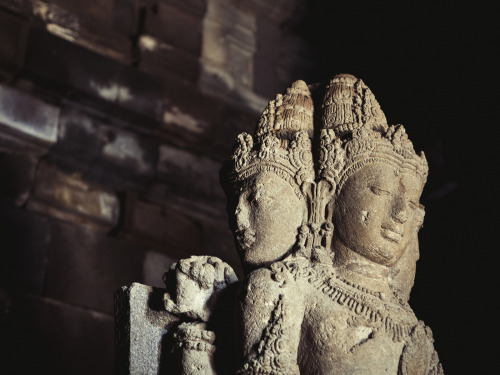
(347, 313)
(324, 205)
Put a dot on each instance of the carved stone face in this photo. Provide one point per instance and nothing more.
(268, 215)
(376, 212)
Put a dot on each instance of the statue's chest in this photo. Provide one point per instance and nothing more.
(347, 331)
(336, 341)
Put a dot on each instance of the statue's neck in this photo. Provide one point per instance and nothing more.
(360, 270)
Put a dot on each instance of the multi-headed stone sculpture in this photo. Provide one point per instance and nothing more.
(323, 201)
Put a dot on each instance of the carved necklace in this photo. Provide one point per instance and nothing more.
(396, 320)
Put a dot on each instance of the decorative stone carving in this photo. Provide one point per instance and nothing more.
(323, 201)
(345, 311)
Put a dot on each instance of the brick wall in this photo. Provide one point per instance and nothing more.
(115, 116)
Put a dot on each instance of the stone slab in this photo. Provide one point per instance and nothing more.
(142, 328)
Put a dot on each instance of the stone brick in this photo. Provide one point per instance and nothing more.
(24, 236)
(189, 118)
(39, 122)
(127, 160)
(142, 329)
(18, 172)
(278, 11)
(44, 336)
(79, 139)
(176, 26)
(126, 17)
(144, 95)
(100, 11)
(85, 266)
(192, 172)
(160, 227)
(160, 59)
(69, 198)
(13, 34)
(106, 81)
(186, 202)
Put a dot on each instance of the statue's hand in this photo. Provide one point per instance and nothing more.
(199, 280)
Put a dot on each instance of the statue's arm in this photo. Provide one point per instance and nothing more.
(271, 313)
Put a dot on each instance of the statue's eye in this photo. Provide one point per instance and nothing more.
(377, 191)
(412, 205)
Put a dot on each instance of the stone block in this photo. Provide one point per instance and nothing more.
(68, 197)
(39, 122)
(126, 162)
(277, 11)
(79, 139)
(186, 202)
(18, 172)
(192, 172)
(90, 74)
(25, 236)
(100, 11)
(126, 17)
(160, 227)
(45, 336)
(85, 266)
(161, 59)
(176, 26)
(189, 117)
(13, 34)
(144, 95)
(142, 329)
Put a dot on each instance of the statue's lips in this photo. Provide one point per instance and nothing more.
(391, 234)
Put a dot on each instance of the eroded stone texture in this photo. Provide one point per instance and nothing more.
(339, 304)
(324, 206)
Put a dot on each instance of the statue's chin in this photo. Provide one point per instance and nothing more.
(260, 256)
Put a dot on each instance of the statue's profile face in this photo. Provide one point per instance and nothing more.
(376, 212)
(268, 215)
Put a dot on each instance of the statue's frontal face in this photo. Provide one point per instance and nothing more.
(376, 212)
(268, 215)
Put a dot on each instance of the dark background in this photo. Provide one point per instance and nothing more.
(155, 148)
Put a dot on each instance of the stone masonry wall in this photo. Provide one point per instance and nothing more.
(115, 116)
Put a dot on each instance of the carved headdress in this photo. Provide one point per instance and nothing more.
(354, 133)
(281, 142)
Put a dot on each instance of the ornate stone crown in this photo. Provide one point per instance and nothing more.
(281, 143)
(355, 133)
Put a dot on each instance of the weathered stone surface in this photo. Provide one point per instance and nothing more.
(86, 266)
(142, 328)
(69, 198)
(336, 298)
(159, 227)
(40, 122)
(176, 26)
(79, 139)
(194, 173)
(329, 246)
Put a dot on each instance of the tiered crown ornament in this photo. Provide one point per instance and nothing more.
(354, 133)
(281, 143)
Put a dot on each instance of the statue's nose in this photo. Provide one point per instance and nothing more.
(399, 210)
(242, 215)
